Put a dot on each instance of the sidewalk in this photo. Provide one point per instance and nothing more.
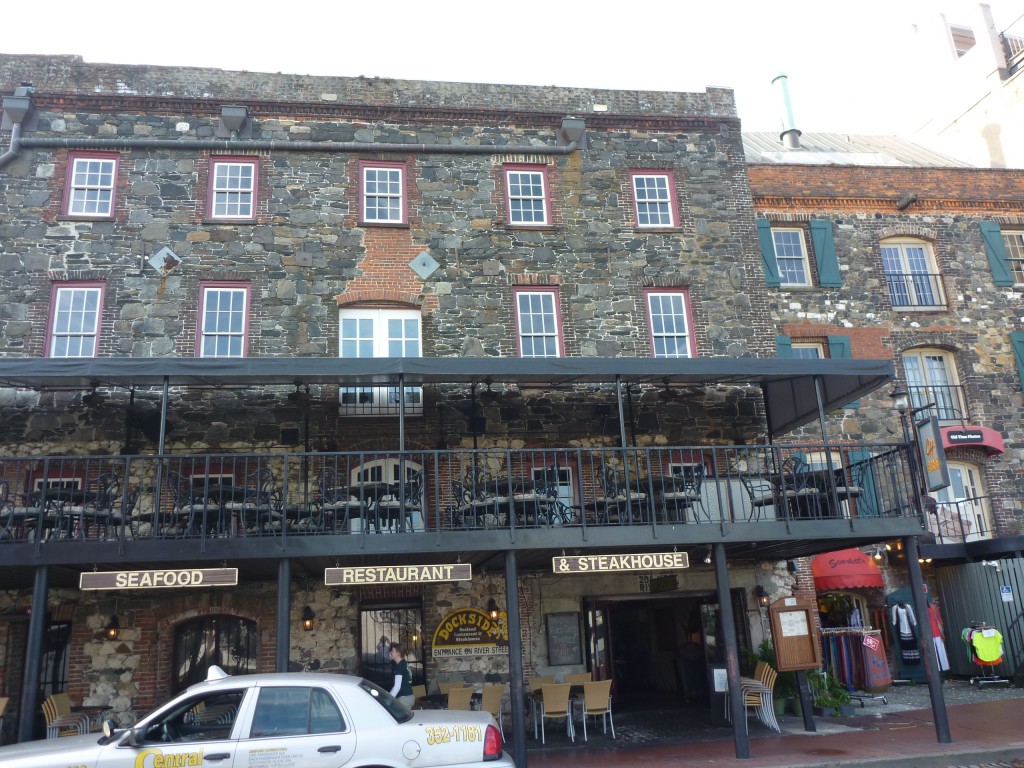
(984, 732)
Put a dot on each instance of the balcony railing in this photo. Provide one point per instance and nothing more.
(238, 495)
(917, 289)
(948, 400)
(959, 522)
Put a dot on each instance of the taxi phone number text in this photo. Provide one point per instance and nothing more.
(445, 734)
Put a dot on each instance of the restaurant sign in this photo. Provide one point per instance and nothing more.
(470, 632)
(191, 577)
(397, 574)
(640, 561)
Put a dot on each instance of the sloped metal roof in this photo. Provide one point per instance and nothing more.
(765, 147)
(789, 385)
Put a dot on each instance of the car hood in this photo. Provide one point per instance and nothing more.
(68, 747)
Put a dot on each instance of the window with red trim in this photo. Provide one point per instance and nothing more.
(654, 199)
(223, 320)
(526, 193)
(74, 324)
(232, 188)
(668, 313)
(382, 199)
(91, 185)
(538, 322)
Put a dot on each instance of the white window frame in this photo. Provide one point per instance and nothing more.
(390, 190)
(370, 332)
(912, 275)
(791, 257)
(521, 185)
(230, 196)
(931, 377)
(73, 322)
(808, 350)
(1013, 241)
(664, 326)
(210, 330)
(538, 322)
(91, 190)
(653, 198)
(966, 500)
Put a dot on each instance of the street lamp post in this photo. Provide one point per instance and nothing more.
(901, 403)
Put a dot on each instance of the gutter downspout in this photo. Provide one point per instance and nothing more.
(15, 147)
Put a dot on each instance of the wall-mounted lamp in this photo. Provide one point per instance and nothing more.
(900, 399)
(762, 595)
(492, 608)
(707, 557)
(924, 560)
(113, 629)
(308, 618)
(878, 553)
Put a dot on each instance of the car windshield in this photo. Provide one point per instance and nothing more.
(394, 707)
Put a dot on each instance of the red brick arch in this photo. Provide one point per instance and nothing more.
(380, 296)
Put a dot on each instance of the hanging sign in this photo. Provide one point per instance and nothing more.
(933, 455)
(195, 577)
(470, 632)
(639, 561)
(397, 574)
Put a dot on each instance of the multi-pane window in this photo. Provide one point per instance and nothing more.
(670, 324)
(92, 179)
(803, 350)
(911, 274)
(963, 512)
(223, 319)
(75, 321)
(652, 199)
(931, 379)
(232, 189)
(537, 320)
(791, 256)
(1014, 242)
(379, 333)
(383, 200)
(526, 189)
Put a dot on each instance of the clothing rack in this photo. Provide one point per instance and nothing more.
(988, 675)
(846, 658)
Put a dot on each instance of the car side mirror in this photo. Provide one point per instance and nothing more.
(133, 738)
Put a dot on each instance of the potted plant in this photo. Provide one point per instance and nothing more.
(828, 695)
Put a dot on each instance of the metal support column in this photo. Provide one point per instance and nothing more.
(33, 655)
(515, 659)
(732, 657)
(931, 664)
(284, 605)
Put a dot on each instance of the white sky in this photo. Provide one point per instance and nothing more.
(853, 66)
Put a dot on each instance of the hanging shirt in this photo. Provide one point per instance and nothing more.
(988, 644)
(855, 620)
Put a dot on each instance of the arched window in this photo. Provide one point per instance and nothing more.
(931, 378)
(911, 274)
(228, 642)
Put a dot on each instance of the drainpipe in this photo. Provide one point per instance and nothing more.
(16, 108)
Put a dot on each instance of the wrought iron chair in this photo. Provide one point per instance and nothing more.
(685, 493)
(98, 508)
(336, 506)
(617, 504)
(397, 511)
(487, 494)
(259, 508)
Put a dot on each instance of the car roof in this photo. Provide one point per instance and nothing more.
(275, 678)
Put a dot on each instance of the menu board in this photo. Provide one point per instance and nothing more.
(564, 646)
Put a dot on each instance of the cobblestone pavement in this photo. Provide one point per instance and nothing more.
(955, 691)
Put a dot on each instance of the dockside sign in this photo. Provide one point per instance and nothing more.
(470, 632)
(397, 574)
(191, 577)
(640, 561)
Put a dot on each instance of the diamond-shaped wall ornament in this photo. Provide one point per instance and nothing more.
(424, 265)
(164, 260)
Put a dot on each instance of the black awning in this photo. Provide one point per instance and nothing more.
(788, 385)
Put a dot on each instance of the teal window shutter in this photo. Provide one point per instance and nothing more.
(996, 251)
(824, 244)
(783, 347)
(839, 349)
(771, 266)
(1017, 340)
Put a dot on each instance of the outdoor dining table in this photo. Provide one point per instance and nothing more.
(369, 492)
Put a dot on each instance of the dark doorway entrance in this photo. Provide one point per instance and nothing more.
(659, 649)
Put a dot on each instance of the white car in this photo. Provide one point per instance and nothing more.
(302, 720)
